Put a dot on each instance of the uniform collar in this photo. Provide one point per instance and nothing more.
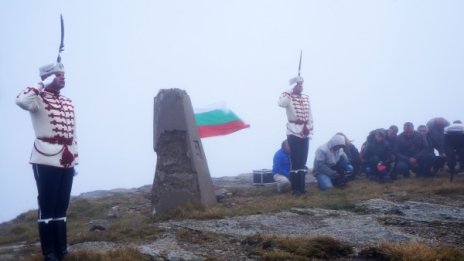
(52, 91)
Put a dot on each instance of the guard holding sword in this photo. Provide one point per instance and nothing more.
(299, 129)
(54, 154)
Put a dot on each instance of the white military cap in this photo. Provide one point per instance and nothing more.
(51, 68)
(295, 80)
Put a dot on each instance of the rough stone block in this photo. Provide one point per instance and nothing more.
(182, 173)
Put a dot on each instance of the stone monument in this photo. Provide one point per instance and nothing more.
(182, 173)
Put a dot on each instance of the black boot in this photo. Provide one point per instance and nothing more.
(294, 180)
(46, 240)
(302, 181)
(60, 236)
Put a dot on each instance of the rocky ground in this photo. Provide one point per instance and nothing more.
(378, 220)
(373, 221)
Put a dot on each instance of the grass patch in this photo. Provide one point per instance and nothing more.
(22, 229)
(449, 191)
(413, 251)
(134, 224)
(190, 210)
(297, 248)
(128, 229)
(123, 254)
(258, 200)
(341, 205)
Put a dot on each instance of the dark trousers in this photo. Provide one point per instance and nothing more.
(453, 157)
(424, 162)
(373, 171)
(454, 149)
(298, 156)
(54, 190)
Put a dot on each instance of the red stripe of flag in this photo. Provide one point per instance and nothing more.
(221, 129)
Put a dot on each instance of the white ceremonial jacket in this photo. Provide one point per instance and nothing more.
(54, 125)
(300, 119)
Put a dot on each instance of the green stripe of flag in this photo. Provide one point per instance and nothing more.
(215, 117)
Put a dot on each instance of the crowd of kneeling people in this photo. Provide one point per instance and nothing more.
(384, 156)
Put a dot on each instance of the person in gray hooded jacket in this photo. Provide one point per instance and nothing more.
(331, 165)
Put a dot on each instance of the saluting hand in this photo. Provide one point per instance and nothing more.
(49, 80)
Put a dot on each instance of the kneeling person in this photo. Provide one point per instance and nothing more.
(281, 168)
(331, 165)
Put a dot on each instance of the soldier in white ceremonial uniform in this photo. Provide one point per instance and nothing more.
(299, 129)
(53, 157)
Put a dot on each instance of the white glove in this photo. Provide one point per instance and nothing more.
(48, 80)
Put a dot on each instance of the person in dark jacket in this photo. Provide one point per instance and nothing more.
(412, 154)
(392, 135)
(438, 160)
(377, 157)
(435, 138)
(436, 133)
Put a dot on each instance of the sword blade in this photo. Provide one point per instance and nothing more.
(61, 48)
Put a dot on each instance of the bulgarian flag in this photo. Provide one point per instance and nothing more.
(217, 120)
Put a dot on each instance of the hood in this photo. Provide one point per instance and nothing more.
(336, 140)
